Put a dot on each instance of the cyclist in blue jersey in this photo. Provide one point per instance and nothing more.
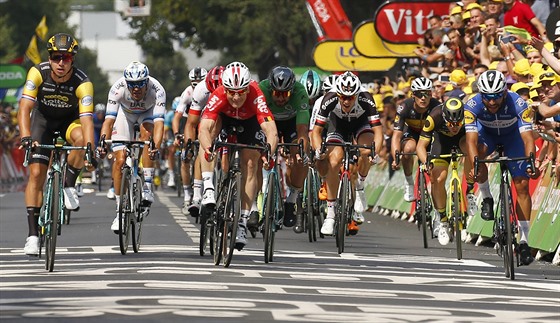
(498, 116)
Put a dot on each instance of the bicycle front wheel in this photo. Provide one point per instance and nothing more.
(311, 206)
(232, 213)
(137, 218)
(269, 214)
(343, 213)
(508, 246)
(423, 207)
(124, 211)
(52, 220)
(457, 218)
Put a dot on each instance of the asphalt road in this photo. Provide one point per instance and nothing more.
(385, 275)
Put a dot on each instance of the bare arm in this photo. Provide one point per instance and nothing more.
(205, 134)
(269, 129)
(175, 122)
(422, 150)
(549, 111)
(190, 127)
(24, 117)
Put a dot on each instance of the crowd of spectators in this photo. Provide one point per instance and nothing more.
(504, 35)
(9, 139)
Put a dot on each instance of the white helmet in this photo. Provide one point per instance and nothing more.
(491, 82)
(348, 84)
(236, 76)
(135, 72)
(197, 74)
(421, 84)
(99, 107)
(329, 82)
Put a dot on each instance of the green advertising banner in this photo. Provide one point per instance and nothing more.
(12, 76)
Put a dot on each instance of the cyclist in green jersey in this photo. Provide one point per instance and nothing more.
(289, 103)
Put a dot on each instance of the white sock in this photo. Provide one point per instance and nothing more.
(148, 177)
(524, 231)
(187, 192)
(197, 189)
(361, 182)
(409, 180)
(330, 209)
(208, 179)
(484, 189)
(293, 194)
(254, 206)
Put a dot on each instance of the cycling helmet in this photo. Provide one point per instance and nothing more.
(348, 84)
(135, 72)
(175, 103)
(312, 83)
(62, 43)
(197, 74)
(214, 78)
(282, 79)
(421, 84)
(99, 107)
(491, 82)
(236, 76)
(453, 110)
(329, 82)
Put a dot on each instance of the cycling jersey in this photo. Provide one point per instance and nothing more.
(363, 105)
(186, 100)
(254, 105)
(59, 101)
(407, 115)
(199, 99)
(514, 114)
(435, 130)
(120, 99)
(297, 105)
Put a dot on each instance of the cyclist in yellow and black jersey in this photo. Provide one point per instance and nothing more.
(63, 97)
(444, 129)
(408, 124)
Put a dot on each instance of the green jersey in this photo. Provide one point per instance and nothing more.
(297, 106)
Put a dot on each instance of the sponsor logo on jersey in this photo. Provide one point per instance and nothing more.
(261, 104)
(87, 100)
(527, 115)
(30, 85)
(469, 117)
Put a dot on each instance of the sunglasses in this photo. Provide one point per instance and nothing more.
(136, 84)
(422, 94)
(284, 94)
(238, 92)
(63, 57)
(493, 96)
(454, 124)
(545, 75)
(346, 97)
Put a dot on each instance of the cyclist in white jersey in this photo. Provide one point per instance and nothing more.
(135, 98)
(328, 84)
(196, 76)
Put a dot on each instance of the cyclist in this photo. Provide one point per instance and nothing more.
(63, 96)
(240, 102)
(312, 83)
(289, 103)
(350, 114)
(134, 98)
(410, 119)
(169, 140)
(98, 118)
(328, 84)
(200, 97)
(444, 129)
(498, 116)
(196, 76)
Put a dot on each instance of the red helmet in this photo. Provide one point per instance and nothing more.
(214, 78)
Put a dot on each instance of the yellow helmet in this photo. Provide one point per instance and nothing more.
(62, 42)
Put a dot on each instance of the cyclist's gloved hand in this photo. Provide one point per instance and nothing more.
(179, 137)
(319, 155)
(423, 167)
(535, 174)
(26, 142)
(268, 164)
(208, 155)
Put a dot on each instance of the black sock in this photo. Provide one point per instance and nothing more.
(71, 176)
(33, 220)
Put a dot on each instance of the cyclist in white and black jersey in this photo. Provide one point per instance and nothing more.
(196, 76)
(328, 84)
(135, 98)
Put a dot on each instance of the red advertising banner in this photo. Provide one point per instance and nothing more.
(402, 22)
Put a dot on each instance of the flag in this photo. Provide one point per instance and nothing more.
(42, 29)
(32, 51)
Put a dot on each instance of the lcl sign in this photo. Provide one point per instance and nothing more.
(403, 22)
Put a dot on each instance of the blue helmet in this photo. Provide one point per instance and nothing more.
(312, 83)
(175, 103)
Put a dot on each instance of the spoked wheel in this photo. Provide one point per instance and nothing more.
(205, 231)
(423, 208)
(124, 212)
(311, 208)
(137, 219)
(232, 213)
(343, 213)
(218, 237)
(269, 215)
(457, 219)
(508, 246)
(51, 227)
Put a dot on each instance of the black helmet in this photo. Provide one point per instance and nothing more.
(62, 43)
(453, 110)
(282, 78)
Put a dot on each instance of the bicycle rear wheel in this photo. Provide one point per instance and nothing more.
(311, 206)
(343, 213)
(177, 173)
(457, 219)
(423, 207)
(124, 211)
(52, 223)
(137, 218)
(232, 213)
(508, 246)
(269, 214)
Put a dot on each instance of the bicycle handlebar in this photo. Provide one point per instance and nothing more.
(398, 155)
(504, 159)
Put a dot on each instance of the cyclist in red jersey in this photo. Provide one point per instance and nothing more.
(238, 102)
